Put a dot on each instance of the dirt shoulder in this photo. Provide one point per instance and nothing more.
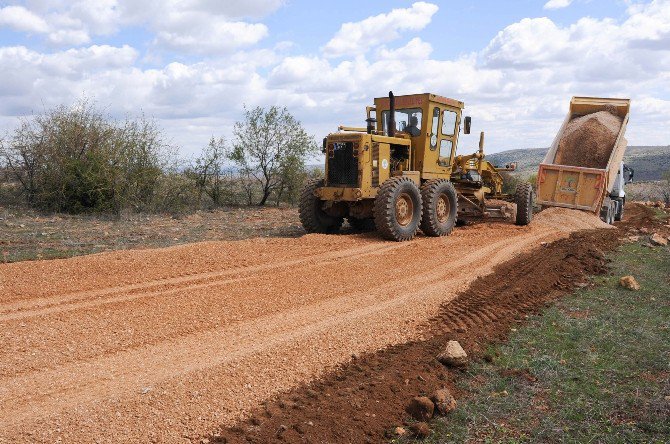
(27, 235)
(364, 400)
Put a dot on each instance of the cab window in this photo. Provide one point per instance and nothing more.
(445, 148)
(433, 128)
(407, 120)
(448, 123)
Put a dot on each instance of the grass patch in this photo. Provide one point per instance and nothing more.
(595, 367)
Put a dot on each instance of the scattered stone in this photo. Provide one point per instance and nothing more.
(420, 430)
(421, 408)
(453, 355)
(658, 240)
(400, 431)
(644, 230)
(629, 282)
(633, 238)
(444, 401)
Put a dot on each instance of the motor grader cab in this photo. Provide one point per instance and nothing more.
(401, 173)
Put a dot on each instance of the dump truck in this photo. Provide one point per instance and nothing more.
(584, 167)
(401, 173)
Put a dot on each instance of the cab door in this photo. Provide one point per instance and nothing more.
(449, 129)
(441, 141)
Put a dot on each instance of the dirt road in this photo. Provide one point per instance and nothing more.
(167, 345)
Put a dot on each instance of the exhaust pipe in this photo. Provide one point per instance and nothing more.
(391, 131)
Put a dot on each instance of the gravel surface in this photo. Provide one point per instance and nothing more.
(166, 345)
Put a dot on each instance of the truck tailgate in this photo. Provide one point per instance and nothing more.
(572, 187)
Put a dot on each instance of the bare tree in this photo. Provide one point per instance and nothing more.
(209, 171)
(270, 146)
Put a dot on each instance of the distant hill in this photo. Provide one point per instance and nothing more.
(649, 162)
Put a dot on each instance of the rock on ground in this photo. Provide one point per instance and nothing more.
(444, 401)
(421, 430)
(658, 240)
(629, 282)
(421, 408)
(453, 355)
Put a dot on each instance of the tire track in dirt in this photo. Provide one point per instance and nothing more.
(281, 326)
(112, 376)
(162, 287)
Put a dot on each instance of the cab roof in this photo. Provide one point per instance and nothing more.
(417, 100)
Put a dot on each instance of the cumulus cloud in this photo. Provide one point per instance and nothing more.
(19, 18)
(357, 37)
(517, 87)
(192, 26)
(557, 4)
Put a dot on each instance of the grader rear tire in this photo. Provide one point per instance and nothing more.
(397, 209)
(312, 216)
(524, 203)
(440, 207)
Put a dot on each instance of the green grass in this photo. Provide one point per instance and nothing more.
(595, 367)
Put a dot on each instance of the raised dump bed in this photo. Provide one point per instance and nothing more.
(580, 170)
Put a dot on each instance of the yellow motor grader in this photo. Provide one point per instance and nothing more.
(401, 173)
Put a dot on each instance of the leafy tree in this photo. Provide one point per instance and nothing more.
(270, 150)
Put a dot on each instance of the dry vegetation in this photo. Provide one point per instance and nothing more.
(80, 161)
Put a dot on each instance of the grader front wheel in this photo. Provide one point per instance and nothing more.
(397, 209)
(440, 207)
(312, 216)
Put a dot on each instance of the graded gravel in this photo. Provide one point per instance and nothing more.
(168, 345)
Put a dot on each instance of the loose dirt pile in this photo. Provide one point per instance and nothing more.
(167, 345)
(567, 219)
(588, 141)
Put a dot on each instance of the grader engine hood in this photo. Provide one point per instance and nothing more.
(343, 153)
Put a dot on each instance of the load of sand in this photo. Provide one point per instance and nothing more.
(588, 141)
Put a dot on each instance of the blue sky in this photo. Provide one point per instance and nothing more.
(194, 64)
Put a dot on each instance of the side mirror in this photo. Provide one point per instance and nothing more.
(468, 125)
(325, 142)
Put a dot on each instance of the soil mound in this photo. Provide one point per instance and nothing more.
(588, 141)
(566, 219)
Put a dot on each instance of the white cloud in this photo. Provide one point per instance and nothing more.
(557, 4)
(517, 87)
(357, 37)
(415, 49)
(200, 33)
(192, 26)
(21, 19)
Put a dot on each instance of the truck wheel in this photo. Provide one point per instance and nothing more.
(440, 206)
(523, 197)
(397, 209)
(312, 216)
(608, 210)
(619, 214)
(361, 224)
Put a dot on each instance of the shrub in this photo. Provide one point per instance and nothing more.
(75, 159)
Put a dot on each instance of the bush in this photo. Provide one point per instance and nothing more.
(77, 160)
(510, 182)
